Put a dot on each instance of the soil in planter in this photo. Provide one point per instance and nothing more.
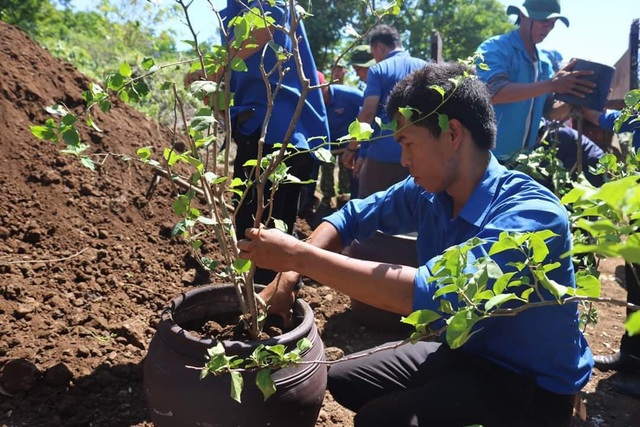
(230, 326)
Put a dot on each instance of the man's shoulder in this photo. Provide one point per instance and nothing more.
(500, 41)
(346, 89)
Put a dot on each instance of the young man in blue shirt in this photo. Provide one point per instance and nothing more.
(522, 82)
(521, 370)
(378, 164)
(343, 104)
(627, 358)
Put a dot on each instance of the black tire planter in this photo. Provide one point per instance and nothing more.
(393, 249)
(176, 396)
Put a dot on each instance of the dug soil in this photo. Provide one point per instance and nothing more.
(87, 264)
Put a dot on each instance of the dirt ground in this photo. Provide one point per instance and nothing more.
(87, 263)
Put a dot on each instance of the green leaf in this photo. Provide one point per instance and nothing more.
(147, 63)
(115, 82)
(360, 131)
(498, 300)
(280, 225)
(44, 132)
(632, 325)
(237, 384)
(460, 326)
(438, 89)
(144, 153)
(237, 64)
(241, 265)
(87, 162)
(505, 242)
(539, 248)
(206, 220)
(501, 283)
(171, 156)
(421, 317)
(443, 122)
(125, 70)
(92, 123)
(105, 105)
(447, 289)
(303, 344)
(323, 155)
(181, 205)
(69, 119)
(265, 383)
(587, 285)
(71, 136)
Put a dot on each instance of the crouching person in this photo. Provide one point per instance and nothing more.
(523, 370)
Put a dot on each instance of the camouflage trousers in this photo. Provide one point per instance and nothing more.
(327, 179)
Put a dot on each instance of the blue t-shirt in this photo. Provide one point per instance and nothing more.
(607, 121)
(344, 106)
(381, 79)
(544, 342)
(250, 91)
(509, 62)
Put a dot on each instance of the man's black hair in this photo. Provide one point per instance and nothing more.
(469, 103)
(385, 34)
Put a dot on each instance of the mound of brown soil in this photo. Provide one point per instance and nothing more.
(86, 262)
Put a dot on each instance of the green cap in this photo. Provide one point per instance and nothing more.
(341, 62)
(361, 56)
(539, 10)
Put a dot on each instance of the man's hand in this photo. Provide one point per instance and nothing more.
(571, 82)
(269, 248)
(194, 76)
(279, 295)
(357, 167)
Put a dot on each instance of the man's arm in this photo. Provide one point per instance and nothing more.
(564, 81)
(386, 286)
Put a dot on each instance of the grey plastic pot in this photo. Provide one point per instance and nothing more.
(176, 396)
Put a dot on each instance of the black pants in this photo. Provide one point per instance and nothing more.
(428, 384)
(630, 344)
(285, 201)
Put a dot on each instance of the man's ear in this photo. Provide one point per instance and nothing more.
(455, 133)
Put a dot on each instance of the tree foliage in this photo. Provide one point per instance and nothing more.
(462, 24)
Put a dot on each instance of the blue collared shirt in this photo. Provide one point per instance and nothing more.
(545, 342)
(344, 106)
(381, 78)
(509, 62)
(250, 92)
(608, 119)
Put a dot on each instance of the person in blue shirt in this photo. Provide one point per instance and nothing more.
(378, 164)
(250, 104)
(627, 358)
(343, 104)
(522, 81)
(521, 370)
(607, 119)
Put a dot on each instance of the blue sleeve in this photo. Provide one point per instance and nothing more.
(607, 121)
(391, 211)
(534, 214)
(497, 59)
(374, 82)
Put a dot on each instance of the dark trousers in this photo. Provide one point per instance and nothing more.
(630, 344)
(285, 201)
(428, 384)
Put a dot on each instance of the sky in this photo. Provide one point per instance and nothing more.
(599, 30)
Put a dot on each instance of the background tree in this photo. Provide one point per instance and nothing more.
(462, 24)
